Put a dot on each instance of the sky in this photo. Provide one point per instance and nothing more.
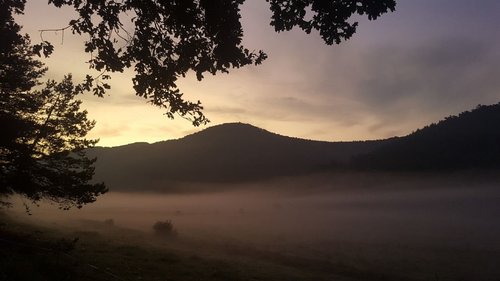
(427, 60)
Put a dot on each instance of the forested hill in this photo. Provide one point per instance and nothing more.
(237, 152)
(469, 140)
(225, 153)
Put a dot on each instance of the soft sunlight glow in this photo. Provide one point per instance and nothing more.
(386, 81)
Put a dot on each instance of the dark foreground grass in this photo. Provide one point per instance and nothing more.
(91, 250)
(34, 253)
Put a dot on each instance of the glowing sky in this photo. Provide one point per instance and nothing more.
(427, 60)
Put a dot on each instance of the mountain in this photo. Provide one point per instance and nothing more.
(231, 152)
(237, 152)
(470, 140)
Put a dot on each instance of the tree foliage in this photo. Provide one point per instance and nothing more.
(167, 39)
(43, 129)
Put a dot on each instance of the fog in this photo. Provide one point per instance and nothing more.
(435, 213)
(419, 219)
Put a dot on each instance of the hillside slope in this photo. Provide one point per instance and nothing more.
(468, 140)
(231, 152)
(237, 152)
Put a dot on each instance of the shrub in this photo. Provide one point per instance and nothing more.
(64, 245)
(164, 228)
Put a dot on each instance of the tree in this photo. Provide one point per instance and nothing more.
(43, 129)
(43, 138)
(173, 37)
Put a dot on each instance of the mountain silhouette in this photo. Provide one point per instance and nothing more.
(232, 152)
(237, 152)
(470, 140)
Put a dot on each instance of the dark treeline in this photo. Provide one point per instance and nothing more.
(239, 152)
(469, 140)
(233, 152)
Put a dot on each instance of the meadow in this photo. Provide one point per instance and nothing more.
(310, 228)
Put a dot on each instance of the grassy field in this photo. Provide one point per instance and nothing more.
(445, 232)
(92, 250)
(102, 252)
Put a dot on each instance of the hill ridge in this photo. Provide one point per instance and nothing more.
(470, 139)
(236, 152)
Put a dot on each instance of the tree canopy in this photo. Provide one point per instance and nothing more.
(43, 129)
(170, 38)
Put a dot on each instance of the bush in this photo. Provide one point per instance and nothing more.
(164, 228)
(63, 245)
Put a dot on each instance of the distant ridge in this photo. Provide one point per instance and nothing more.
(235, 131)
(238, 152)
(470, 140)
(231, 152)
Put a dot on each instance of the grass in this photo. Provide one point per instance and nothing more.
(43, 253)
(91, 250)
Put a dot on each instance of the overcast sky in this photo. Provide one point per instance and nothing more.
(427, 60)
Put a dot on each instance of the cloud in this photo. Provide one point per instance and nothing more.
(427, 60)
(410, 78)
(226, 110)
(432, 79)
(108, 131)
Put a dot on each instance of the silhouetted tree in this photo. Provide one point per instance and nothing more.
(43, 129)
(172, 37)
